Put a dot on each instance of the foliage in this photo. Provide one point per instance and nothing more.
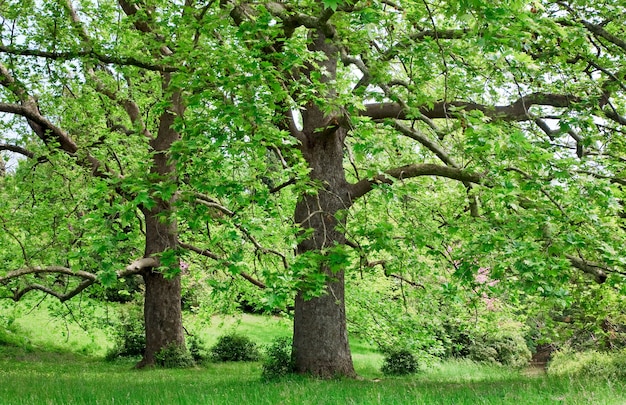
(278, 360)
(128, 333)
(10, 335)
(471, 137)
(235, 347)
(174, 356)
(390, 313)
(592, 318)
(506, 349)
(197, 348)
(588, 364)
(498, 341)
(399, 362)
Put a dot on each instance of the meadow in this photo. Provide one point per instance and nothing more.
(61, 364)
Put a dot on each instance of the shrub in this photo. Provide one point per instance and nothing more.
(588, 364)
(399, 362)
(506, 348)
(10, 337)
(234, 347)
(197, 348)
(174, 356)
(128, 334)
(278, 361)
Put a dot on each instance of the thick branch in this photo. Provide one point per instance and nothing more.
(143, 24)
(17, 149)
(138, 265)
(598, 31)
(598, 272)
(211, 203)
(363, 187)
(88, 53)
(44, 129)
(88, 278)
(425, 141)
(134, 268)
(18, 294)
(613, 115)
(517, 111)
(50, 269)
(421, 35)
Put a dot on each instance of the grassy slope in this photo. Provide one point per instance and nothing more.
(39, 376)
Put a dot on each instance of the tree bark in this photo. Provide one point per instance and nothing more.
(162, 315)
(320, 334)
(320, 338)
(162, 299)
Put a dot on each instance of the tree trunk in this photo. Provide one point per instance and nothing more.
(162, 300)
(320, 338)
(320, 334)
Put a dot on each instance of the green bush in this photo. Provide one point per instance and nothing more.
(278, 361)
(197, 348)
(508, 349)
(456, 339)
(174, 356)
(589, 363)
(234, 347)
(10, 337)
(399, 362)
(128, 334)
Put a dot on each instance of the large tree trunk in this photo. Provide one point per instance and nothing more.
(320, 339)
(320, 335)
(162, 301)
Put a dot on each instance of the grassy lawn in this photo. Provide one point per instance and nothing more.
(60, 371)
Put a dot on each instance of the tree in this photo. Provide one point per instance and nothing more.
(88, 137)
(521, 103)
(97, 97)
(516, 108)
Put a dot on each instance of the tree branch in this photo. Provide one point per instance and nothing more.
(517, 111)
(44, 129)
(17, 149)
(137, 266)
(425, 141)
(88, 53)
(49, 269)
(211, 255)
(421, 35)
(599, 31)
(596, 270)
(18, 294)
(364, 186)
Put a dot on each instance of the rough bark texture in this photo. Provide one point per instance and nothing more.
(162, 315)
(162, 306)
(320, 339)
(162, 301)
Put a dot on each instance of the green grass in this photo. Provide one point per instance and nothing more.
(56, 378)
(35, 375)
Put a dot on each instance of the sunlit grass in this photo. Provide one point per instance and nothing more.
(45, 378)
(36, 375)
